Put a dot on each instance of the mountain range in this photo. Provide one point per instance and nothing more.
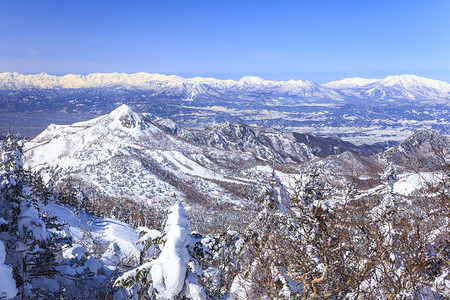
(392, 87)
(360, 111)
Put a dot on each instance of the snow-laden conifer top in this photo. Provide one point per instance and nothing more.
(169, 269)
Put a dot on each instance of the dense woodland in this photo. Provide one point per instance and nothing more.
(312, 240)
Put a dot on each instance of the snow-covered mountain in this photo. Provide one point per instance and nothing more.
(425, 149)
(162, 85)
(124, 152)
(267, 143)
(132, 155)
(145, 158)
(349, 83)
(409, 87)
(358, 110)
(396, 87)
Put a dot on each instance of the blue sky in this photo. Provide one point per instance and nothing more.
(314, 40)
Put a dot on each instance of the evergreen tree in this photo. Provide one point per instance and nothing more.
(173, 273)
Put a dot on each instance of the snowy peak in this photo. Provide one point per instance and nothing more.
(13, 81)
(415, 83)
(410, 87)
(404, 86)
(404, 79)
(122, 128)
(251, 80)
(125, 117)
(421, 137)
(301, 83)
(349, 83)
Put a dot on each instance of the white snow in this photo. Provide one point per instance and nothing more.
(409, 86)
(106, 230)
(349, 83)
(409, 183)
(76, 251)
(29, 221)
(190, 167)
(93, 265)
(7, 283)
(169, 269)
(171, 273)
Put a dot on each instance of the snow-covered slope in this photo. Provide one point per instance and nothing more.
(105, 229)
(349, 83)
(124, 153)
(425, 149)
(7, 283)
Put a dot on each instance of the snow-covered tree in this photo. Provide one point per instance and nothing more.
(30, 247)
(300, 246)
(389, 175)
(174, 272)
(309, 235)
(263, 273)
(82, 201)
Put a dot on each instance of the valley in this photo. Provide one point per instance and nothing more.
(362, 111)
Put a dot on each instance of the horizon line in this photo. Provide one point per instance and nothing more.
(211, 78)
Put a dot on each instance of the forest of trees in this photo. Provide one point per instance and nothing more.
(309, 241)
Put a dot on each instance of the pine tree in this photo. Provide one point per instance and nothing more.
(173, 273)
